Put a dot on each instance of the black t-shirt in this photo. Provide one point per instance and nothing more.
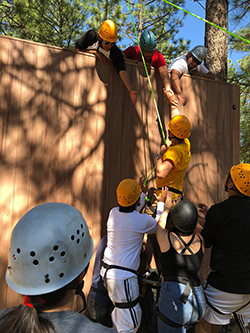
(89, 40)
(227, 228)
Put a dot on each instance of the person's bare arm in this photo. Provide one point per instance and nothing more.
(209, 75)
(172, 99)
(126, 80)
(163, 168)
(176, 86)
(161, 231)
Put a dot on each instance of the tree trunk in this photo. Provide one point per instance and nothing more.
(216, 40)
(140, 19)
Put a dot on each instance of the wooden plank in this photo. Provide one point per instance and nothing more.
(10, 149)
(70, 134)
(43, 109)
(5, 86)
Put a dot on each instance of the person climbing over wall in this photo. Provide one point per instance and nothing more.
(125, 229)
(226, 230)
(172, 161)
(182, 301)
(103, 46)
(155, 59)
(190, 63)
(49, 255)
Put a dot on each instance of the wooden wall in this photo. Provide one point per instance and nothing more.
(69, 133)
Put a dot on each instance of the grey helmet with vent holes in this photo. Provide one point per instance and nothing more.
(50, 246)
(199, 52)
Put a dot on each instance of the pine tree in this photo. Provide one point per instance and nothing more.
(216, 40)
(54, 22)
(242, 78)
(163, 20)
(61, 22)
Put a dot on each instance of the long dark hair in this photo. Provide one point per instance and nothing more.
(23, 319)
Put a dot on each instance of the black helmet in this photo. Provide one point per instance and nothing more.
(184, 216)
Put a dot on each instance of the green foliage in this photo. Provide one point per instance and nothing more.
(61, 22)
(163, 20)
(242, 78)
(240, 9)
(55, 22)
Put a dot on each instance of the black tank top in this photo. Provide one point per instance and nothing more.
(178, 264)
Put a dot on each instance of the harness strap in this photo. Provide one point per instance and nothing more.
(127, 305)
(186, 292)
(218, 311)
(173, 190)
(242, 306)
(99, 291)
(118, 267)
(186, 245)
(182, 280)
(213, 307)
(166, 320)
(80, 293)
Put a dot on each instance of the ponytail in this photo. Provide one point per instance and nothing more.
(25, 319)
(28, 318)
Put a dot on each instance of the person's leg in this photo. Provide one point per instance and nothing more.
(124, 291)
(206, 327)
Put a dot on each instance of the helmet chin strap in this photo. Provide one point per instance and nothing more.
(80, 293)
(226, 184)
(234, 188)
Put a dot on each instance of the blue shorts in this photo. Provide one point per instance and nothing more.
(178, 312)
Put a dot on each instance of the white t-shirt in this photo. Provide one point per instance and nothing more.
(125, 236)
(96, 46)
(180, 64)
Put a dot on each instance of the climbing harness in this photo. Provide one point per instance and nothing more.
(123, 305)
(173, 190)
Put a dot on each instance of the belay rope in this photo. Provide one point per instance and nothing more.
(144, 63)
(150, 85)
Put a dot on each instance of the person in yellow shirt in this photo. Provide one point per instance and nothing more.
(172, 161)
(171, 166)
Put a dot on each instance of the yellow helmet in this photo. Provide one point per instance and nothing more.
(241, 177)
(128, 192)
(108, 31)
(180, 126)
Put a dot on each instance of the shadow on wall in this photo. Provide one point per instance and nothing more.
(70, 134)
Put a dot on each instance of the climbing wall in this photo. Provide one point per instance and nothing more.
(69, 133)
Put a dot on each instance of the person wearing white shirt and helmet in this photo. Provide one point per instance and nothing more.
(190, 63)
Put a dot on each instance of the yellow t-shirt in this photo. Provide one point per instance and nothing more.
(180, 156)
